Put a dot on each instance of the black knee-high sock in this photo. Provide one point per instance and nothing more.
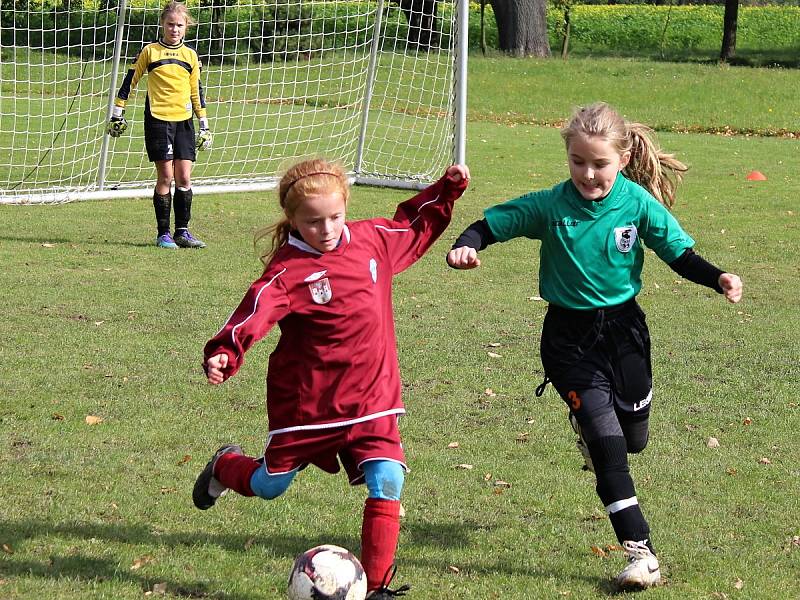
(183, 208)
(162, 204)
(616, 490)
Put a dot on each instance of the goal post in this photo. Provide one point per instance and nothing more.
(379, 86)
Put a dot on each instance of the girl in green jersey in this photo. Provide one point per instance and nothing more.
(595, 345)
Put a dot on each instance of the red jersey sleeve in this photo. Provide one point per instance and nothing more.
(419, 221)
(264, 304)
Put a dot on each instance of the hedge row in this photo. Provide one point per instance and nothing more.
(629, 28)
(620, 28)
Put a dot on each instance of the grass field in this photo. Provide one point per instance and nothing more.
(99, 323)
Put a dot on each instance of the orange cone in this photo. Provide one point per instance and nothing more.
(756, 176)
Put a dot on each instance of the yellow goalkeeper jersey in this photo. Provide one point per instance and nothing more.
(173, 82)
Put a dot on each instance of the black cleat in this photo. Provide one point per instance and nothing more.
(207, 488)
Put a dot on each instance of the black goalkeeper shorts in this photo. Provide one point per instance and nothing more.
(599, 362)
(169, 140)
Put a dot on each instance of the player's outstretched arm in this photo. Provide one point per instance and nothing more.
(214, 368)
(731, 286)
(463, 258)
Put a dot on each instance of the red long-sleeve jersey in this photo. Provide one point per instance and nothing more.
(335, 363)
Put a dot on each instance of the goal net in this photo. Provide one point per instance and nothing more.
(379, 86)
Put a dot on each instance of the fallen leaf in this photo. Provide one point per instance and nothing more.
(249, 543)
(48, 245)
(494, 345)
(463, 466)
(502, 484)
(98, 323)
(402, 511)
(764, 461)
(599, 551)
(494, 355)
(738, 584)
(454, 569)
(141, 561)
(452, 445)
(597, 515)
(487, 477)
(57, 417)
(8, 549)
(167, 490)
(730, 471)
(186, 458)
(522, 437)
(93, 420)
(489, 392)
(712, 442)
(160, 588)
(747, 421)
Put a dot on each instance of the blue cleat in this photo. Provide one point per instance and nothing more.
(165, 241)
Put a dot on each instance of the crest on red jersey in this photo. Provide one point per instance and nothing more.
(321, 291)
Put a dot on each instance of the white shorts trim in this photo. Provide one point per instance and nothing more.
(318, 426)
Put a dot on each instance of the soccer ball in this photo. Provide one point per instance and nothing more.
(327, 572)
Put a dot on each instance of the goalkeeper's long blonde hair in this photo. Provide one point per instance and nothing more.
(307, 178)
(658, 172)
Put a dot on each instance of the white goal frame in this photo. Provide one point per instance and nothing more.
(391, 110)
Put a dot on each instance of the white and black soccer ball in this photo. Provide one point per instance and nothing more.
(327, 572)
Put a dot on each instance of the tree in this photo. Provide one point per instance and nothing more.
(522, 27)
(729, 21)
(421, 17)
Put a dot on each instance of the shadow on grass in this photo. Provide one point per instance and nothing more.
(83, 568)
(82, 242)
(780, 58)
(91, 569)
(453, 538)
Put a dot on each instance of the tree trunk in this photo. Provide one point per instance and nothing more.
(565, 39)
(422, 22)
(522, 27)
(730, 21)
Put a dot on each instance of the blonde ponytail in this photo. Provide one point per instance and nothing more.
(656, 171)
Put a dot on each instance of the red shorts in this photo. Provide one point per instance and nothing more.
(352, 445)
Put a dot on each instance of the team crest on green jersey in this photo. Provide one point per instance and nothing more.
(625, 237)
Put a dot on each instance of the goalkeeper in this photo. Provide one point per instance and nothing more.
(173, 93)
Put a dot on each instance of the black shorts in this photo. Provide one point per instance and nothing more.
(169, 140)
(599, 362)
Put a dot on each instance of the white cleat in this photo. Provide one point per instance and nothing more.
(642, 569)
(581, 445)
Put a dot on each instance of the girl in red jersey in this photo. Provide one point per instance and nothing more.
(333, 382)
